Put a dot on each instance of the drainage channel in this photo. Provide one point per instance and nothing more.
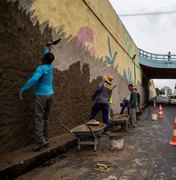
(40, 160)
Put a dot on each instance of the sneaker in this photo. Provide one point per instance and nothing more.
(41, 145)
(130, 125)
(134, 125)
(47, 143)
(108, 132)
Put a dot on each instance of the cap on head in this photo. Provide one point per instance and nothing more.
(108, 79)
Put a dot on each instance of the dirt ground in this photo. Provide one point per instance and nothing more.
(147, 155)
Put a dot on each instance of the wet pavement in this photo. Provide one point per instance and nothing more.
(147, 155)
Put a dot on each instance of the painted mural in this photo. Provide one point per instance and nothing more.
(85, 37)
(90, 32)
(128, 71)
(112, 56)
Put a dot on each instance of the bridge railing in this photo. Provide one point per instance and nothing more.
(159, 57)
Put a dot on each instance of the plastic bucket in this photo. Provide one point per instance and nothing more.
(116, 142)
(154, 117)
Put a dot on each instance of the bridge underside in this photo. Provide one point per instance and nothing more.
(159, 73)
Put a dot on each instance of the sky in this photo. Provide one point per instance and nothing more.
(155, 34)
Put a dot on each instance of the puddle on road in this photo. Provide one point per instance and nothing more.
(139, 162)
(125, 178)
(111, 178)
(130, 171)
(174, 170)
(156, 126)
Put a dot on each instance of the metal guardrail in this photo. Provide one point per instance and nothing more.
(157, 57)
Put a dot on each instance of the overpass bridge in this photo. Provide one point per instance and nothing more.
(158, 66)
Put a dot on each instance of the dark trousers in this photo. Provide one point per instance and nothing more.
(105, 112)
(139, 107)
(125, 104)
(42, 107)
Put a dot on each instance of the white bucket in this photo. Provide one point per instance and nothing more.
(154, 117)
(116, 142)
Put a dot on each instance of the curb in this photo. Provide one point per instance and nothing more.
(20, 168)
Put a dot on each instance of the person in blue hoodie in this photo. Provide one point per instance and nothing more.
(41, 80)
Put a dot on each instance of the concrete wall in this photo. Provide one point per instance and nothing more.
(152, 91)
(94, 43)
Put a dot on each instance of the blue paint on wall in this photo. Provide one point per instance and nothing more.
(116, 68)
(129, 75)
(124, 74)
(110, 59)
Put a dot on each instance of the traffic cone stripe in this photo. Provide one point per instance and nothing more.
(174, 133)
(174, 139)
(173, 142)
(160, 114)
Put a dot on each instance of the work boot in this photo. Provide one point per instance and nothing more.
(41, 145)
(107, 132)
(47, 143)
(134, 125)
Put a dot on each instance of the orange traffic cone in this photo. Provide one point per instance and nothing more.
(173, 142)
(160, 114)
(154, 104)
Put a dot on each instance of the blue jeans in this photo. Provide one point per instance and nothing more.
(125, 104)
(105, 112)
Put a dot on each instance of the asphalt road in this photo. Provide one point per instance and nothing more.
(147, 155)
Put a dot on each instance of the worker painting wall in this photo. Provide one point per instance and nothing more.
(93, 44)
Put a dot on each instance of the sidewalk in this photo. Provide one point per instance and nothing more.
(147, 155)
(20, 161)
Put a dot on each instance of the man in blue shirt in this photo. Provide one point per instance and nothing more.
(42, 80)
